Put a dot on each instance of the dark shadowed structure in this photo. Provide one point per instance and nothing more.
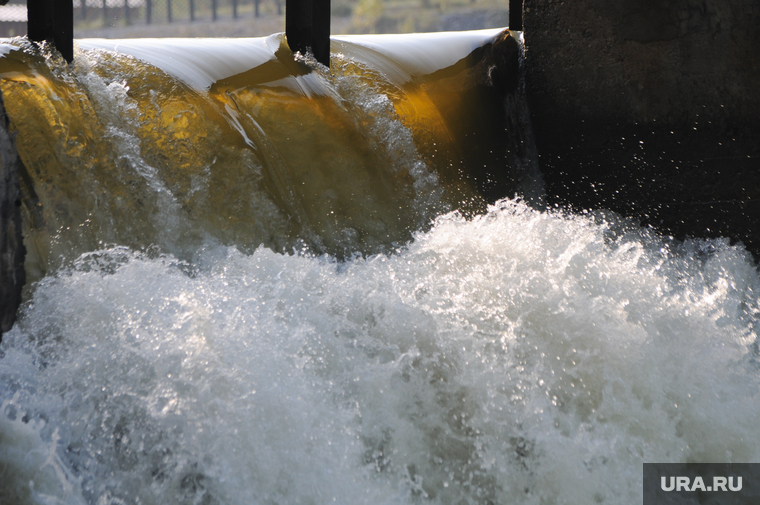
(12, 275)
(650, 108)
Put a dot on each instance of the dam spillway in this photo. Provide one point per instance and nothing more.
(221, 315)
(237, 140)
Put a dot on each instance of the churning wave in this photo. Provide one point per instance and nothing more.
(519, 357)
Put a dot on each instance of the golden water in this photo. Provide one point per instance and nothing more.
(285, 153)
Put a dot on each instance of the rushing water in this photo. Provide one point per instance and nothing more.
(468, 354)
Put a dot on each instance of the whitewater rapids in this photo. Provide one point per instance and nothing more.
(519, 357)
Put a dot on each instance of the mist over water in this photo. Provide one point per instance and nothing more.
(512, 356)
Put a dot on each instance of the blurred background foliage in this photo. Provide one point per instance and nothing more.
(252, 18)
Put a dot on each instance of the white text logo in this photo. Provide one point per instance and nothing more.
(685, 484)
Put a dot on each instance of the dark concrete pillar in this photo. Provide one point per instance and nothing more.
(52, 21)
(515, 15)
(40, 19)
(63, 30)
(650, 108)
(307, 27)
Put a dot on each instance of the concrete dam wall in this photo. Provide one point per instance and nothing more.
(650, 108)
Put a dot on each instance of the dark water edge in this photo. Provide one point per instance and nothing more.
(12, 251)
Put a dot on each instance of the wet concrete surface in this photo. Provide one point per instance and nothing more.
(650, 108)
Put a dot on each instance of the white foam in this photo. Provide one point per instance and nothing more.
(521, 357)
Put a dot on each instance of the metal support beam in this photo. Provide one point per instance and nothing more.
(53, 21)
(516, 15)
(307, 27)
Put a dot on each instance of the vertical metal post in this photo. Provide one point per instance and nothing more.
(105, 13)
(148, 11)
(234, 9)
(126, 12)
(515, 15)
(63, 36)
(321, 31)
(53, 21)
(307, 27)
(40, 15)
(256, 8)
(169, 11)
(213, 10)
(298, 24)
(192, 10)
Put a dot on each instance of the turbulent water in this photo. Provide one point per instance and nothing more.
(485, 355)
(191, 148)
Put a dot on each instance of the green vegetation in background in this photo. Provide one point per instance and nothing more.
(407, 16)
(349, 16)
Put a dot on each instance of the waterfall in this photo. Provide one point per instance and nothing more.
(237, 142)
(257, 280)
